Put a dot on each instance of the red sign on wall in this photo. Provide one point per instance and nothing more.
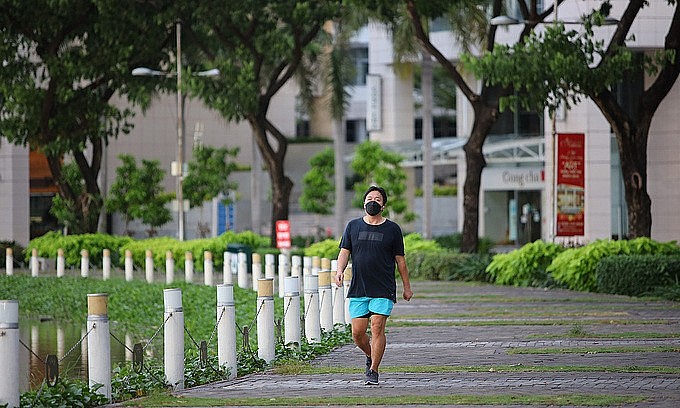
(283, 234)
(570, 194)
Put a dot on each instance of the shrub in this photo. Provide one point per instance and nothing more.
(525, 266)
(446, 265)
(576, 267)
(17, 249)
(327, 248)
(48, 244)
(453, 242)
(634, 275)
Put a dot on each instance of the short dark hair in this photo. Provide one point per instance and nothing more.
(378, 189)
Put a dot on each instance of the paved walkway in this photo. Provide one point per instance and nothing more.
(461, 325)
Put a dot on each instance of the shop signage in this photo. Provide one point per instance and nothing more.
(570, 191)
(512, 178)
(374, 102)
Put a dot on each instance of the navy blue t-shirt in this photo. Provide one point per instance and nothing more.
(373, 249)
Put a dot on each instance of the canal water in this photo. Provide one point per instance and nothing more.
(45, 337)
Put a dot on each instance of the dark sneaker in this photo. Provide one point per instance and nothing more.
(369, 362)
(371, 378)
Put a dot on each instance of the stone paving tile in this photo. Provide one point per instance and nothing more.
(454, 337)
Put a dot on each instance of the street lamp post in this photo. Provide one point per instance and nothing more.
(177, 168)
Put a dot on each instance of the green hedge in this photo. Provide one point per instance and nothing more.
(447, 265)
(575, 267)
(635, 275)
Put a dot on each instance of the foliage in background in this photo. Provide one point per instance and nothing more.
(137, 193)
(376, 166)
(80, 213)
(327, 248)
(318, 189)
(447, 265)
(17, 249)
(636, 275)
(208, 177)
(454, 242)
(440, 191)
(526, 266)
(576, 267)
(48, 244)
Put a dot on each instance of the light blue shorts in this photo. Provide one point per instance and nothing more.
(366, 306)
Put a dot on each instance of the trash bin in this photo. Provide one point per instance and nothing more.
(236, 248)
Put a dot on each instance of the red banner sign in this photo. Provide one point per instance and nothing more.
(570, 196)
(283, 234)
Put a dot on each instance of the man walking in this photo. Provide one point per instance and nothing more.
(376, 245)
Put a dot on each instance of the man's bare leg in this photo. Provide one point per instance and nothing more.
(378, 340)
(359, 335)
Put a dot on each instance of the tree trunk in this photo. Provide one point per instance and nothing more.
(273, 159)
(638, 202)
(485, 117)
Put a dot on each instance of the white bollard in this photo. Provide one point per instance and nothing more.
(84, 263)
(296, 269)
(207, 268)
(338, 298)
(173, 340)
(242, 262)
(128, 347)
(227, 272)
(9, 353)
(169, 267)
(9, 262)
(266, 342)
(148, 266)
(291, 311)
(188, 267)
(269, 266)
(316, 265)
(61, 343)
(312, 324)
(61, 263)
(129, 266)
(347, 279)
(306, 265)
(325, 300)
(226, 329)
(99, 343)
(284, 270)
(257, 269)
(35, 267)
(106, 264)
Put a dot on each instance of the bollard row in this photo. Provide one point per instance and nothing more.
(324, 308)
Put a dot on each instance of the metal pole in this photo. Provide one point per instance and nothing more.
(180, 137)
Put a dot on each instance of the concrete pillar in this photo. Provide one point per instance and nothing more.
(61, 263)
(129, 266)
(242, 274)
(188, 267)
(338, 298)
(291, 310)
(99, 343)
(148, 266)
(270, 266)
(257, 269)
(84, 263)
(9, 353)
(312, 324)
(169, 267)
(296, 269)
(347, 279)
(207, 268)
(284, 270)
(325, 300)
(106, 264)
(226, 329)
(316, 265)
(173, 340)
(35, 268)
(266, 343)
(9, 262)
(227, 272)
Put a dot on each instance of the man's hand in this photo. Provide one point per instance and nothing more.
(408, 294)
(339, 276)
